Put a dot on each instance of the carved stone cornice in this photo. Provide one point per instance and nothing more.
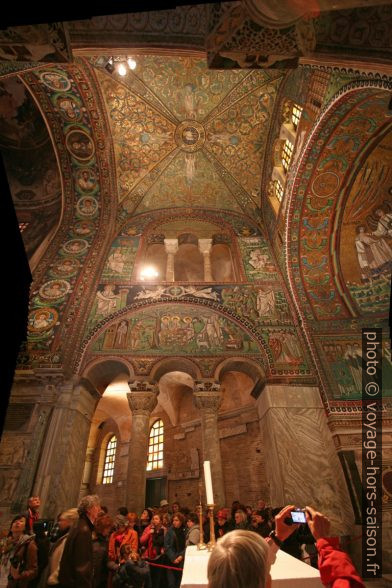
(142, 403)
(39, 377)
(143, 386)
(207, 385)
(207, 395)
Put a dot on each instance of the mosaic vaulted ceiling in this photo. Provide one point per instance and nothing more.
(184, 135)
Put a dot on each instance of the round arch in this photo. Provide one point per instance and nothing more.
(241, 364)
(175, 364)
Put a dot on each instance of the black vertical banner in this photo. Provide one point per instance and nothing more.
(371, 453)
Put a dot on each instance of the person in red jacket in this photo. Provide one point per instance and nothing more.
(335, 567)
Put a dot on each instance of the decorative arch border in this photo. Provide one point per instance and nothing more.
(301, 209)
(372, 82)
(162, 216)
(91, 124)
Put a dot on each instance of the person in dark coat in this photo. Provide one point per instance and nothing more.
(174, 543)
(103, 526)
(259, 523)
(221, 526)
(133, 571)
(76, 566)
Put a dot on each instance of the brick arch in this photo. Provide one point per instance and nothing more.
(178, 364)
(240, 364)
(101, 372)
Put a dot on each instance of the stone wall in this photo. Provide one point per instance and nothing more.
(241, 449)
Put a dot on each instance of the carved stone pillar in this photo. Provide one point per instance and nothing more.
(31, 401)
(207, 398)
(61, 465)
(205, 248)
(302, 465)
(171, 248)
(142, 400)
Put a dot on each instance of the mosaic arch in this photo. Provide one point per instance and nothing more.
(172, 329)
(324, 185)
(199, 328)
(66, 98)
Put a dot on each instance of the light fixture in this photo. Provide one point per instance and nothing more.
(119, 63)
(148, 273)
(121, 69)
(131, 63)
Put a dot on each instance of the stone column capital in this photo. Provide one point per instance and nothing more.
(205, 245)
(171, 245)
(142, 403)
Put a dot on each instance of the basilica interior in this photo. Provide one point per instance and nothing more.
(204, 198)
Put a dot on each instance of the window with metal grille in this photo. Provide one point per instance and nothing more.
(317, 89)
(296, 115)
(110, 457)
(287, 153)
(278, 190)
(155, 447)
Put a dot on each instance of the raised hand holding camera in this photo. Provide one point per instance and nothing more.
(319, 524)
(284, 525)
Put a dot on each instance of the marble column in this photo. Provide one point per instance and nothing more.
(207, 399)
(85, 486)
(142, 400)
(302, 465)
(171, 248)
(205, 248)
(62, 460)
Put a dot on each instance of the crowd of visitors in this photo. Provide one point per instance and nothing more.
(88, 547)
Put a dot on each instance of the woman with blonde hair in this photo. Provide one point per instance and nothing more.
(240, 559)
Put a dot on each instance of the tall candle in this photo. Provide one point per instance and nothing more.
(208, 482)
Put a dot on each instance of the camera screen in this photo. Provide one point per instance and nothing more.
(298, 517)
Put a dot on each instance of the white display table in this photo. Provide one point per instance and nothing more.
(286, 572)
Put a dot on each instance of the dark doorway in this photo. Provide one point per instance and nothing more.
(155, 491)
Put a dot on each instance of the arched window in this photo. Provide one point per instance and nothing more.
(110, 457)
(155, 447)
(296, 115)
(278, 190)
